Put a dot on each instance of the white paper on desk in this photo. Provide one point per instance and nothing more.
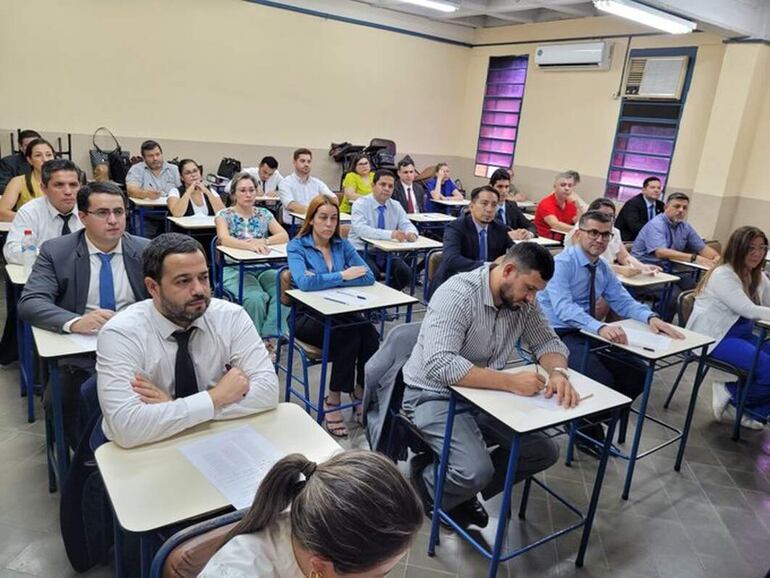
(274, 251)
(347, 296)
(234, 462)
(638, 338)
(83, 341)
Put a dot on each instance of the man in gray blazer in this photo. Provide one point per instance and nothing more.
(80, 281)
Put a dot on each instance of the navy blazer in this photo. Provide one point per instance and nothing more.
(633, 216)
(515, 219)
(461, 247)
(57, 288)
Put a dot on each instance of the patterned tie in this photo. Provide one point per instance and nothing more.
(592, 290)
(106, 283)
(483, 245)
(65, 230)
(380, 259)
(409, 203)
(185, 382)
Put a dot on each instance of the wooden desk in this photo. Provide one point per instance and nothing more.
(545, 242)
(526, 204)
(391, 248)
(244, 259)
(143, 482)
(143, 207)
(50, 347)
(522, 416)
(447, 202)
(195, 223)
(14, 287)
(691, 342)
(647, 280)
(430, 217)
(325, 304)
(690, 265)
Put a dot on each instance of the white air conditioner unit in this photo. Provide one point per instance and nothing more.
(582, 56)
(655, 77)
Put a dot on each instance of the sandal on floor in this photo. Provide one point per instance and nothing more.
(335, 427)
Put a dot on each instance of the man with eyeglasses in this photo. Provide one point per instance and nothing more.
(569, 301)
(80, 281)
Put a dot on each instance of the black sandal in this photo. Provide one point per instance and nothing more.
(335, 427)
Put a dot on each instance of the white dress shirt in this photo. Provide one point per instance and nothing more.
(197, 209)
(139, 341)
(124, 295)
(364, 219)
(266, 554)
(40, 217)
(292, 188)
(265, 187)
(409, 192)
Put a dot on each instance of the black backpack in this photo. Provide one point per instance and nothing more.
(228, 167)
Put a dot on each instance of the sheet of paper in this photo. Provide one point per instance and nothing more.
(347, 296)
(274, 252)
(83, 341)
(638, 338)
(234, 462)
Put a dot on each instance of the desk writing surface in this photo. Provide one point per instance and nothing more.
(277, 252)
(5, 226)
(51, 345)
(196, 222)
(545, 242)
(647, 280)
(160, 202)
(765, 323)
(519, 413)
(452, 202)
(691, 265)
(376, 297)
(155, 485)
(344, 217)
(526, 204)
(430, 217)
(529, 216)
(16, 273)
(390, 246)
(691, 341)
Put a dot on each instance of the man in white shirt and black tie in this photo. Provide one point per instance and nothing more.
(49, 216)
(180, 358)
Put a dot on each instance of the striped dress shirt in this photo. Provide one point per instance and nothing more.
(463, 328)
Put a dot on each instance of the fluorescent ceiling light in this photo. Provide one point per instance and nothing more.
(646, 15)
(439, 5)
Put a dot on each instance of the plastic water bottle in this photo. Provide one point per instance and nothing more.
(28, 251)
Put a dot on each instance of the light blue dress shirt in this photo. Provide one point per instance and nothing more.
(364, 220)
(565, 298)
(661, 233)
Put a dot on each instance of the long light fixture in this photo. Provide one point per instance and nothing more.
(439, 5)
(646, 15)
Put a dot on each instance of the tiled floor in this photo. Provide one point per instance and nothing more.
(712, 519)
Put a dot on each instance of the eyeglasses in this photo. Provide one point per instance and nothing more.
(759, 249)
(105, 213)
(594, 234)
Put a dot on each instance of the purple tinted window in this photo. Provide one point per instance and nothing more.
(498, 132)
(516, 90)
(507, 76)
(502, 104)
(641, 162)
(496, 146)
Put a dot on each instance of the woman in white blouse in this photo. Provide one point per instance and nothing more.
(729, 298)
(354, 515)
(197, 198)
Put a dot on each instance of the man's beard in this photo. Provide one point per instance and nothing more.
(179, 315)
(509, 303)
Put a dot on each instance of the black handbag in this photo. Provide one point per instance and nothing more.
(228, 168)
(118, 160)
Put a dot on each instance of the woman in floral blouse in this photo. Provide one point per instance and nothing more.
(244, 226)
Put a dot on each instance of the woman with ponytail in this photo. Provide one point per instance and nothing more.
(354, 515)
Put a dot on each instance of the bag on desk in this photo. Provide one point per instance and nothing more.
(118, 160)
(228, 168)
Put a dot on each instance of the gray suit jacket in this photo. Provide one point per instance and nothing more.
(57, 289)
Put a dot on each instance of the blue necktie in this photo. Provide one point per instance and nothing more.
(501, 215)
(652, 212)
(106, 284)
(483, 245)
(380, 259)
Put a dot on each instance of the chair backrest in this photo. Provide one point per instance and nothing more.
(684, 306)
(284, 284)
(434, 262)
(389, 145)
(714, 244)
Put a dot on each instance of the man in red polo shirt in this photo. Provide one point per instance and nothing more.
(555, 211)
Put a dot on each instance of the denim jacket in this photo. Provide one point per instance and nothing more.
(304, 258)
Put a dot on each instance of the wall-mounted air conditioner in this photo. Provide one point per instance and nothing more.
(655, 77)
(582, 56)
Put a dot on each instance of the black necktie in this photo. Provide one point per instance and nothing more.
(592, 290)
(185, 382)
(65, 230)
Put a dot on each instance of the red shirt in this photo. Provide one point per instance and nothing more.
(549, 206)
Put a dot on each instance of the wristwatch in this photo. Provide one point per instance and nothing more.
(693, 257)
(563, 370)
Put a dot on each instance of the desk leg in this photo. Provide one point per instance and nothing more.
(699, 375)
(505, 507)
(638, 430)
(441, 477)
(141, 221)
(29, 378)
(664, 296)
(117, 547)
(409, 313)
(145, 553)
(62, 452)
(388, 268)
(589, 519)
(290, 355)
(324, 366)
(743, 394)
(241, 273)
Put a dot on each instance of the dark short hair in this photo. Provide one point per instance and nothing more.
(597, 204)
(677, 197)
(302, 151)
(594, 216)
(499, 175)
(149, 145)
(405, 162)
(270, 162)
(108, 188)
(383, 173)
(56, 165)
(531, 256)
(28, 133)
(649, 180)
(164, 245)
(33, 143)
(184, 162)
(484, 189)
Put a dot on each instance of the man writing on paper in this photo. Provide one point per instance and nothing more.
(180, 358)
(473, 323)
(581, 277)
(79, 281)
(378, 216)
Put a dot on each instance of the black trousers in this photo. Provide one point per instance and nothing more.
(349, 347)
(400, 273)
(73, 371)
